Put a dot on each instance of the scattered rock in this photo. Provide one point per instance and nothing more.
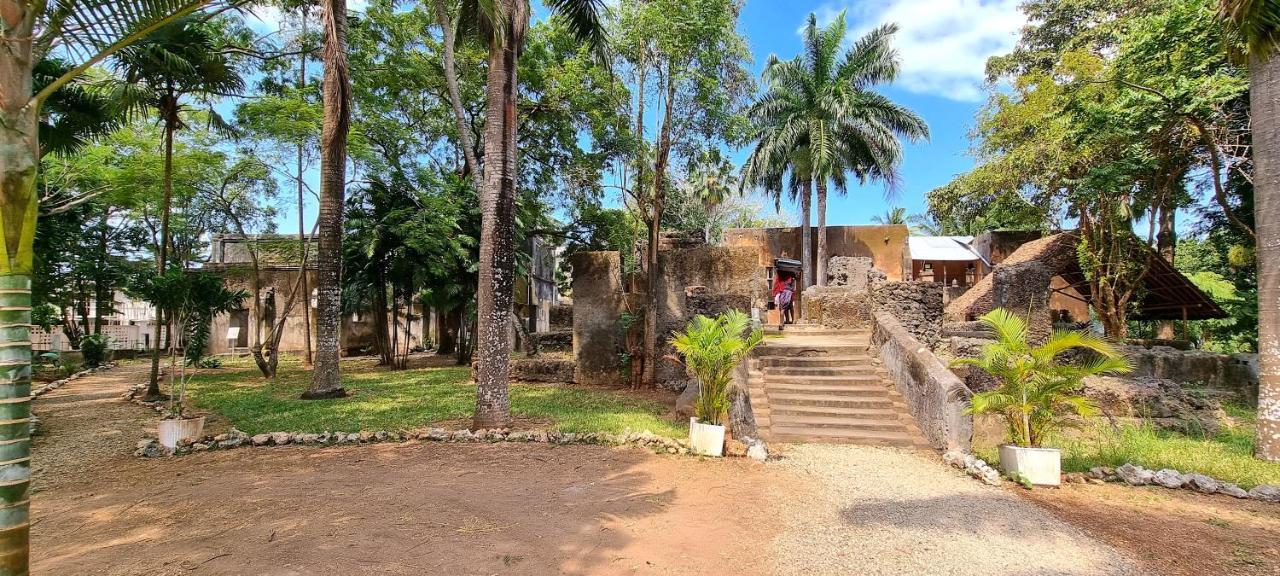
(756, 450)
(1169, 478)
(280, 438)
(1265, 493)
(260, 439)
(1073, 478)
(1201, 483)
(735, 448)
(1134, 475)
(1232, 490)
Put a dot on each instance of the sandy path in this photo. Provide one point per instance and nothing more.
(513, 509)
(883, 511)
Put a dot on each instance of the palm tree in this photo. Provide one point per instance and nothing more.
(1036, 388)
(184, 58)
(822, 101)
(896, 215)
(86, 32)
(502, 25)
(1259, 23)
(326, 379)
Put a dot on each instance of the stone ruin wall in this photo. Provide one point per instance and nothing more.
(692, 279)
(857, 290)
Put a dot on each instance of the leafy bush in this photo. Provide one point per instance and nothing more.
(1036, 391)
(96, 349)
(712, 348)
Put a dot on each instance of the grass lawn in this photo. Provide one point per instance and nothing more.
(1227, 456)
(402, 400)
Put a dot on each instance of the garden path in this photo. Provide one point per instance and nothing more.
(514, 509)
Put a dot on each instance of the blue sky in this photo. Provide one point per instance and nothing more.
(943, 46)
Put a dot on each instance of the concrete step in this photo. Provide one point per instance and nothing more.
(854, 379)
(886, 413)
(838, 422)
(804, 350)
(806, 371)
(779, 399)
(900, 439)
(813, 330)
(772, 362)
(828, 390)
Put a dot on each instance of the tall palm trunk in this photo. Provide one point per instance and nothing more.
(19, 159)
(1264, 96)
(162, 258)
(822, 232)
(326, 379)
(302, 237)
(497, 235)
(806, 234)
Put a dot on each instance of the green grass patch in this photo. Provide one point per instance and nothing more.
(1227, 455)
(390, 400)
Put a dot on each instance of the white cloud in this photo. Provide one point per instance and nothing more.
(266, 18)
(944, 44)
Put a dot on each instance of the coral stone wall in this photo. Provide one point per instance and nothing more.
(598, 304)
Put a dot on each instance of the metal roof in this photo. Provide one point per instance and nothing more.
(949, 248)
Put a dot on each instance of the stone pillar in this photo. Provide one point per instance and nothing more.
(1023, 289)
(598, 304)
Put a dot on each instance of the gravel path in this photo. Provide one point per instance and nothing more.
(86, 430)
(879, 511)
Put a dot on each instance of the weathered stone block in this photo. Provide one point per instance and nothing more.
(542, 370)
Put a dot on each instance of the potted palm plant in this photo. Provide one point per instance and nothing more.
(712, 348)
(1037, 393)
(190, 300)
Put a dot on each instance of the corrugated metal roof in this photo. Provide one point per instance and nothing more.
(949, 248)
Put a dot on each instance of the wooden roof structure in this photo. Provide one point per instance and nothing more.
(1166, 293)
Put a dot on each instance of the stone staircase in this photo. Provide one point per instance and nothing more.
(815, 384)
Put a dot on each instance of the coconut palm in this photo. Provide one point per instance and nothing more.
(182, 59)
(822, 102)
(502, 25)
(1037, 389)
(1259, 23)
(897, 215)
(86, 33)
(326, 379)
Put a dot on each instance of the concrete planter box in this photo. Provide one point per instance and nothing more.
(706, 439)
(171, 431)
(1042, 466)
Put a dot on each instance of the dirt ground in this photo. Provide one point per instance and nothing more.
(516, 509)
(1173, 532)
(385, 509)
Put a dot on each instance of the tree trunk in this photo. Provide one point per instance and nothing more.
(806, 235)
(381, 339)
(153, 384)
(19, 159)
(447, 332)
(326, 378)
(1166, 243)
(822, 232)
(302, 237)
(658, 200)
(451, 86)
(497, 234)
(1264, 96)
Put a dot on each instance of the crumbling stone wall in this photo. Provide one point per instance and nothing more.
(1236, 373)
(934, 396)
(550, 370)
(1023, 289)
(849, 271)
(706, 280)
(917, 306)
(598, 304)
(561, 317)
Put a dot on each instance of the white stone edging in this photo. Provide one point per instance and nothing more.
(151, 448)
(41, 391)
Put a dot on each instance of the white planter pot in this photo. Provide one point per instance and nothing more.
(1042, 466)
(706, 439)
(171, 431)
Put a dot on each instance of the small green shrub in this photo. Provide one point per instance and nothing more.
(96, 349)
(1037, 392)
(712, 348)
